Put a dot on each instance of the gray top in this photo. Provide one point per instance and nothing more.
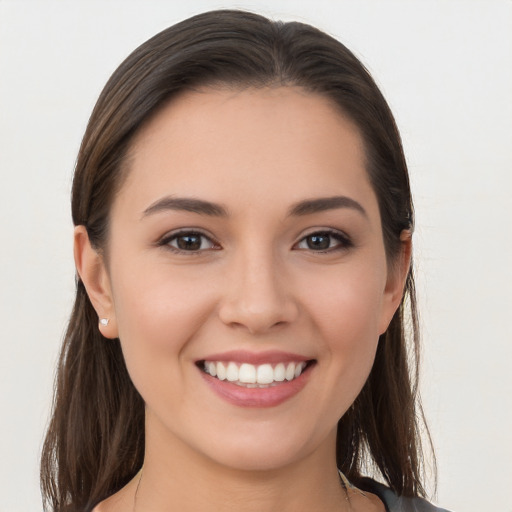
(396, 503)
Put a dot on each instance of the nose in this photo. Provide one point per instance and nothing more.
(258, 296)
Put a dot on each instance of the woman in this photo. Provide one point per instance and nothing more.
(243, 244)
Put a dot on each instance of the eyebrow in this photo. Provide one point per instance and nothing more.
(187, 204)
(202, 207)
(311, 206)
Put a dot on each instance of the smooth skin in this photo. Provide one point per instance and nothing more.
(249, 271)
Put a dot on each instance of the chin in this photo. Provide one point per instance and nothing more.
(267, 451)
(257, 458)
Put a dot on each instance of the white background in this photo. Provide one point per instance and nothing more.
(445, 67)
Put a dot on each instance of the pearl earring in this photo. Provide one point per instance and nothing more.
(104, 321)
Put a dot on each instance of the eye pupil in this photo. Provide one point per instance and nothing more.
(189, 242)
(318, 242)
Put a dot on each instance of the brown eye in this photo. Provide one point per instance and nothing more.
(318, 242)
(323, 241)
(189, 242)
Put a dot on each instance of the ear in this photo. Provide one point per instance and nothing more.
(397, 276)
(92, 270)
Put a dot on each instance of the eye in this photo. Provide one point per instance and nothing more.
(324, 241)
(189, 241)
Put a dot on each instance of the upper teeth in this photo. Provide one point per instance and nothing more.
(246, 373)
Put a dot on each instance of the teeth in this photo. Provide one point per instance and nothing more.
(247, 373)
(253, 376)
(290, 371)
(221, 371)
(279, 372)
(232, 372)
(211, 368)
(265, 374)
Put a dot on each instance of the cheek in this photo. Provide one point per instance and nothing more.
(157, 314)
(158, 300)
(346, 310)
(347, 304)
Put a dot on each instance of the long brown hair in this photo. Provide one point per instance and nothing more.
(95, 440)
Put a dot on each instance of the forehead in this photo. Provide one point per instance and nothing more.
(247, 146)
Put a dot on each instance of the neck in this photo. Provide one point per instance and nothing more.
(176, 477)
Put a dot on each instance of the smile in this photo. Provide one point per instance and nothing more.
(248, 379)
(254, 376)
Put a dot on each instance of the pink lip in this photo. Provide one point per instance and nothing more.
(256, 358)
(256, 397)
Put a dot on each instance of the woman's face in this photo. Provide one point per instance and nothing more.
(246, 247)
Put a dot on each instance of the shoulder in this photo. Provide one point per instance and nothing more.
(396, 503)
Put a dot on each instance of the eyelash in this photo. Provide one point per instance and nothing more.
(343, 240)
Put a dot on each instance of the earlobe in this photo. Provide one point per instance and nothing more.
(93, 273)
(397, 277)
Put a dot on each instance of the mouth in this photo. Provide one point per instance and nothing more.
(249, 375)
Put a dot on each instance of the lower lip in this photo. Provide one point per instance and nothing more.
(257, 397)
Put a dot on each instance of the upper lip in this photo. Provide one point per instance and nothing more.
(256, 358)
